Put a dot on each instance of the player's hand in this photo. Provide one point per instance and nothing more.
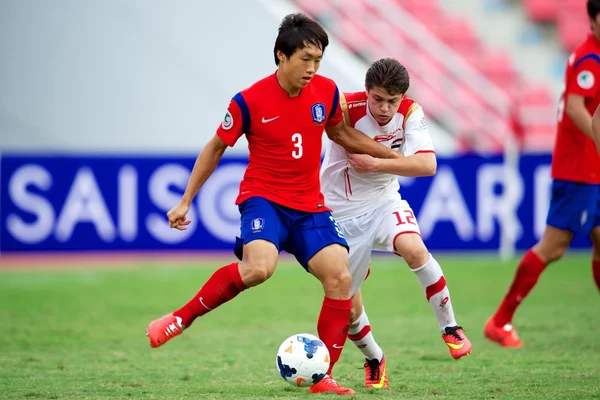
(363, 162)
(177, 217)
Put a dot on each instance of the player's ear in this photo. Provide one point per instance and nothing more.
(281, 56)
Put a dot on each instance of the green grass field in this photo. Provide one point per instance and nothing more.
(80, 334)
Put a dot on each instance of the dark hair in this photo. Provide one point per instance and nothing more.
(296, 32)
(389, 74)
(593, 8)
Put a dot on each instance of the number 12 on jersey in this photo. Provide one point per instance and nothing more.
(407, 218)
(297, 140)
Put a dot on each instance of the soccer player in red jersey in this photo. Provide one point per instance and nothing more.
(280, 200)
(575, 203)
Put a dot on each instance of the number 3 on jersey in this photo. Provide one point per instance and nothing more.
(297, 140)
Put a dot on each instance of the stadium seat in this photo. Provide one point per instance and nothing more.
(316, 8)
(459, 34)
(542, 10)
(497, 67)
(426, 11)
(572, 31)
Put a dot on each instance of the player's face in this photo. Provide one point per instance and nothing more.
(382, 105)
(595, 24)
(302, 66)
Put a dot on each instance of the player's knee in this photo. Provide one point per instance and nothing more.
(549, 254)
(414, 252)
(595, 236)
(338, 282)
(256, 272)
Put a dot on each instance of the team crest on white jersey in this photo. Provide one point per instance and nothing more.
(318, 112)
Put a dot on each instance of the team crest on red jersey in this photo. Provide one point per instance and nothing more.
(318, 112)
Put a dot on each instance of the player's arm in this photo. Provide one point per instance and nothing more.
(355, 141)
(596, 128)
(578, 113)
(229, 132)
(205, 165)
(417, 165)
(418, 157)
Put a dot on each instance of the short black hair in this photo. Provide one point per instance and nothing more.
(593, 8)
(298, 31)
(389, 74)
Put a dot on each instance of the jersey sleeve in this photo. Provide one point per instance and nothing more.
(584, 80)
(416, 136)
(335, 115)
(236, 121)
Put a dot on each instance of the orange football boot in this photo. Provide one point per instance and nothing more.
(329, 385)
(505, 336)
(457, 342)
(161, 330)
(375, 374)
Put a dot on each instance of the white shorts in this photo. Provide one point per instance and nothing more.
(376, 230)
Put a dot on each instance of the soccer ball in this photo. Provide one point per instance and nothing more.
(302, 360)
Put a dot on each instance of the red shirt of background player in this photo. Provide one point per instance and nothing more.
(575, 157)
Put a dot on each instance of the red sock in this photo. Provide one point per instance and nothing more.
(529, 270)
(596, 272)
(333, 325)
(224, 284)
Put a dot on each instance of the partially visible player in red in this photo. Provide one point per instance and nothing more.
(575, 203)
(280, 200)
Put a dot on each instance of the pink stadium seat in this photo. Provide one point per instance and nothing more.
(427, 11)
(538, 95)
(315, 8)
(572, 31)
(353, 35)
(542, 10)
(539, 129)
(458, 33)
(355, 8)
(573, 24)
(538, 138)
(497, 67)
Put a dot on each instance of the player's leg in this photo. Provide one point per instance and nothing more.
(360, 234)
(595, 236)
(428, 271)
(360, 334)
(319, 246)
(551, 247)
(260, 256)
(570, 206)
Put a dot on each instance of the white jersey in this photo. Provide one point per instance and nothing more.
(349, 193)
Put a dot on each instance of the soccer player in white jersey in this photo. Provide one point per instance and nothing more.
(363, 193)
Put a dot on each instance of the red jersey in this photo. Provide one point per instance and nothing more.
(575, 156)
(284, 140)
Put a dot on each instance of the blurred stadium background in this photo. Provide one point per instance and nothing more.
(104, 105)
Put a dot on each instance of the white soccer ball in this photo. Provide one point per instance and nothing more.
(302, 360)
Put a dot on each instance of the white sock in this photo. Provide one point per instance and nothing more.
(360, 334)
(433, 283)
